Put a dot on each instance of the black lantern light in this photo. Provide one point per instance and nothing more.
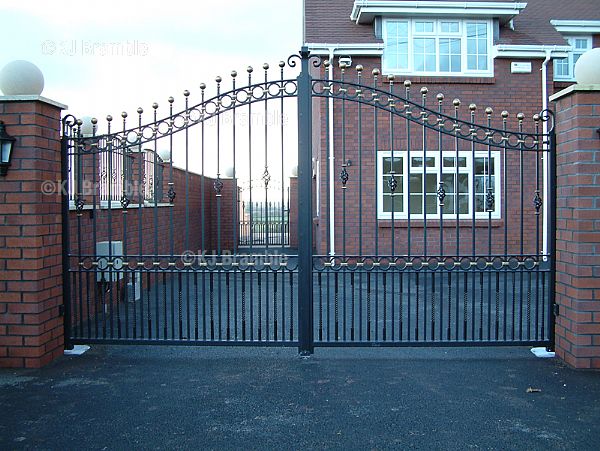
(6, 147)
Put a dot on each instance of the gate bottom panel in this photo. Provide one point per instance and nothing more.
(409, 307)
(189, 306)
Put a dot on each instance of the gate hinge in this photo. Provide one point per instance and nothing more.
(556, 309)
(61, 310)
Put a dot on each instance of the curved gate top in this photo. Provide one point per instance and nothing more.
(307, 205)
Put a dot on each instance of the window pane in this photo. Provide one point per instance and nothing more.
(450, 27)
(415, 184)
(424, 27)
(581, 43)
(431, 202)
(463, 204)
(398, 203)
(462, 162)
(425, 54)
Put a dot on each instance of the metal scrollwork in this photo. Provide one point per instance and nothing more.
(489, 200)
(218, 185)
(441, 194)
(79, 204)
(266, 177)
(125, 202)
(171, 193)
(344, 176)
(392, 183)
(537, 202)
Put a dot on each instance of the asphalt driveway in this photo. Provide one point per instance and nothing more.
(126, 398)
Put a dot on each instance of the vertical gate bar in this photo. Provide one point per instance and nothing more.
(227, 287)
(360, 95)
(67, 299)
(473, 196)
(497, 299)
(425, 119)
(155, 200)
(456, 103)
(179, 303)
(352, 307)
(320, 283)
(95, 196)
(171, 218)
(134, 313)
(243, 282)
(441, 196)
(401, 306)
(165, 322)
(275, 299)
(417, 307)
(305, 216)
(369, 306)
(433, 296)
(267, 309)
(76, 329)
(506, 201)
(538, 156)
(195, 305)
(449, 328)
(384, 331)
(521, 222)
(149, 300)
(291, 305)
(489, 202)
(283, 269)
(282, 227)
(465, 309)
(336, 297)
(266, 179)
(481, 277)
(409, 306)
(344, 179)
(393, 194)
(406, 189)
(87, 300)
(212, 304)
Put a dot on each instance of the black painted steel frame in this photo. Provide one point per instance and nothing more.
(386, 298)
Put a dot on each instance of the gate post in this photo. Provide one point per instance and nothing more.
(305, 217)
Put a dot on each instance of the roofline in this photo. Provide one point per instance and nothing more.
(530, 51)
(366, 49)
(364, 11)
(576, 26)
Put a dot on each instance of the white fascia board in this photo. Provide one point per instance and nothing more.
(576, 26)
(367, 49)
(530, 51)
(365, 11)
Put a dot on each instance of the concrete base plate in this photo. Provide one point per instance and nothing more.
(542, 353)
(77, 350)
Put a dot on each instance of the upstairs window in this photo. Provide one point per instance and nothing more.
(564, 68)
(437, 47)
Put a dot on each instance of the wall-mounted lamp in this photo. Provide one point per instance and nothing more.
(6, 147)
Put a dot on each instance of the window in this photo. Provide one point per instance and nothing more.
(564, 68)
(449, 47)
(411, 182)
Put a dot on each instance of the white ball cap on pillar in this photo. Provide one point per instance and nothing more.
(229, 172)
(21, 77)
(587, 68)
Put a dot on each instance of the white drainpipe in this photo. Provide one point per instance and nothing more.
(546, 192)
(331, 157)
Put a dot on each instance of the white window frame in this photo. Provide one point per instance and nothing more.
(571, 58)
(469, 155)
(437, 34)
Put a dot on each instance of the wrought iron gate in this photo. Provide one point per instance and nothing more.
(407, 221)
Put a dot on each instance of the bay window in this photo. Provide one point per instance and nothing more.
(428, 46)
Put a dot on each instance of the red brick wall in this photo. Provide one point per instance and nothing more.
(519, 93)
(578, 229)
(31, 328)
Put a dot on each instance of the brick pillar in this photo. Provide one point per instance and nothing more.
(578, 226)
(31, 327)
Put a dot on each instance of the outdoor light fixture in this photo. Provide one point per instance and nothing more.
(6, 147)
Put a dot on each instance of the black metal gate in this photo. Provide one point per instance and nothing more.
(316, 209)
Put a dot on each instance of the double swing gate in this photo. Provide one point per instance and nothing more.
(386, 216)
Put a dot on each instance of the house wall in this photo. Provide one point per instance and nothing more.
(360, 232)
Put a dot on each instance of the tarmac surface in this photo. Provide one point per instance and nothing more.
(128, 398)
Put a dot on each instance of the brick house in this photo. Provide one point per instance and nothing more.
(510, 56)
